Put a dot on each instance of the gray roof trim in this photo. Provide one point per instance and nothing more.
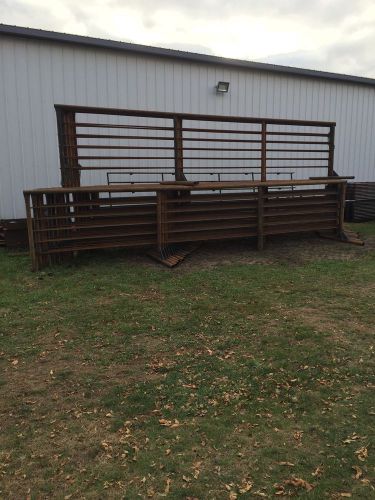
(37, 34)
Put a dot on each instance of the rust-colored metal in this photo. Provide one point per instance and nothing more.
(66, 220)
(66, 127)
(174, 216)
(263, 161)
(331, 154)
(171, 142)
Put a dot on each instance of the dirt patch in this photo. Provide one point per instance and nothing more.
(293, 250)
(322, 321)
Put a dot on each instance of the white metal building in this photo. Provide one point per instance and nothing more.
(39, 69)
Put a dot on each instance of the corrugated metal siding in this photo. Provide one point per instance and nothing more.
(36, 75)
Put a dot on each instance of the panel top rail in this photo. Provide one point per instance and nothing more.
(183, 186)
(188, 116)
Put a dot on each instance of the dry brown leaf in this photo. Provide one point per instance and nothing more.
(361, 453)
(246, 486)
(233, 495)
(318, 471)
(345, 495)
(352, 438)
(280, 490)
(289, 464)
(358, 471)
(298, 435)
(150, 492)
(299, 483)
(169, 423)
(167, 486)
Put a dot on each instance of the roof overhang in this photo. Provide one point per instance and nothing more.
(84, 41)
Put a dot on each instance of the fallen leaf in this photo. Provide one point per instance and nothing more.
(299, 483)
(169, 423)
(361, 453)
(289, 464)
(298, 435)
(358, 471)
(352, 438)
(246, 486)
(167, 486)
(318, 471)
(232, 495)
(345, 495)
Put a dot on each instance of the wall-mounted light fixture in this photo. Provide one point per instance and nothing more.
(222, 87)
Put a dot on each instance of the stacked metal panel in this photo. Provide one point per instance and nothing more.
(360, 204)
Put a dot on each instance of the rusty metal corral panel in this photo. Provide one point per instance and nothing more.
(360, 205)
(186, 145)
(62, 221)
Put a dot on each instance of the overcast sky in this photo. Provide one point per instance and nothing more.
(331, 35)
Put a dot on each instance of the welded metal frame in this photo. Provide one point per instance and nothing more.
(62, 221)
(163, 215)
(178, 146)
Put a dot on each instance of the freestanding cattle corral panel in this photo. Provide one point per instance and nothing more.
(39, 69)
(167, 213)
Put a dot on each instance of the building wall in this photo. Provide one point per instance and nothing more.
(35, 75)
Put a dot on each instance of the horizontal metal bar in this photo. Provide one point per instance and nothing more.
(221, 131)
(102, 235)
(113, 146)
(181, 186)
(114, 136)
(296, 159)
(301, 134)
(186, 116)
(171, 138)
(297, 150)
(138, 242)
(121, 157)
(298, 142)
(135, 147)
(301, 228)
(113, 125)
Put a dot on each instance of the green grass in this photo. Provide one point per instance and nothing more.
(128, 381)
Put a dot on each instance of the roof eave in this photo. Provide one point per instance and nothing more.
(44, 35)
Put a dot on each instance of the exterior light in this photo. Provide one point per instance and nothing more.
(222, 87)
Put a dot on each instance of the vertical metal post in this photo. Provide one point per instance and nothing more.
(161, 215)
(30, 232)
(263, 160)
(331, 151)
(260, 217)
(341, 202)
(178, 149)
(66, 129)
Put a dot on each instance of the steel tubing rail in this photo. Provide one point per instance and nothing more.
(303, 141)
(63, 221)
